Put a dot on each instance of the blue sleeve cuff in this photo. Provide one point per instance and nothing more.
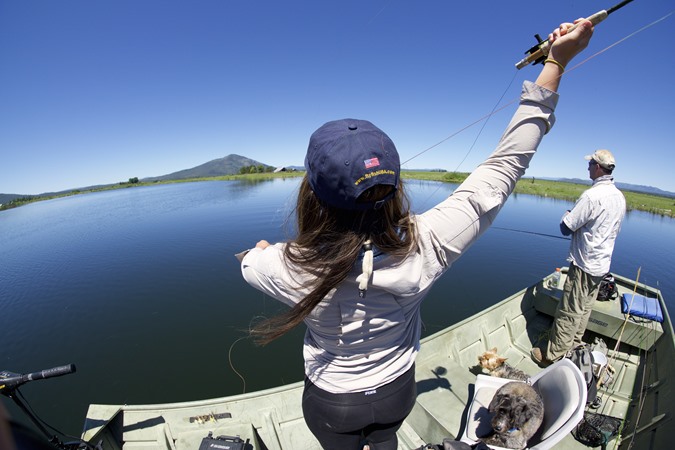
(564, 229)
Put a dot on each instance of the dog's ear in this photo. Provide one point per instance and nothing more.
(497, 401)
(520, 413)
(493, 349)
(524, 410)
(535, 408)
(494, 402)
(501, 360)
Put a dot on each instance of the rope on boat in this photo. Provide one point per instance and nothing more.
(643, 387)
(644, 379)
(623, 327)
(612, 359)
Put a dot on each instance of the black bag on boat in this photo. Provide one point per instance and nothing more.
(607, 290)
(596, 430)
(581, 356)
(224, 443)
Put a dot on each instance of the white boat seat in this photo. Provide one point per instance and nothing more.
(562, 389)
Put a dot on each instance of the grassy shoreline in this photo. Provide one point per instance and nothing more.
(654, 204)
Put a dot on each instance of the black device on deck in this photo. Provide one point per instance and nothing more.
(224, 443)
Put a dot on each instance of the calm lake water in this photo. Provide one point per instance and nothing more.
(140, 289)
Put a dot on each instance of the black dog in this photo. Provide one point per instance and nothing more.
(517, 412)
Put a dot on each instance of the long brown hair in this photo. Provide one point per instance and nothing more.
(329, 242)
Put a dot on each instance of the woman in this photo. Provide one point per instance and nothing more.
(361, 264)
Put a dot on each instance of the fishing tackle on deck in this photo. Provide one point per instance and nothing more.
(538, 53)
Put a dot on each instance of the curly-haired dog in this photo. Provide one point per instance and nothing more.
(497, 367)
(517, 412)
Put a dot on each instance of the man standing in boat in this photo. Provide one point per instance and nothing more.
(594, 224)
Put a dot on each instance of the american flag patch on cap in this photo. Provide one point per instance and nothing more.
(372, 162)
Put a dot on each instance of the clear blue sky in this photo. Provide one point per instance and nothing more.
(97, 92)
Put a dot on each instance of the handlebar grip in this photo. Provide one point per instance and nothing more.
(15, 380)
(53, 372)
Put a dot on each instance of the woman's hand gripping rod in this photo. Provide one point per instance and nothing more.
(539, 52)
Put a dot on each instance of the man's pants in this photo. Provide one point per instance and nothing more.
(573, 311)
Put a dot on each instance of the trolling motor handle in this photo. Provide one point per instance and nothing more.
(10, 381)
(540, 51)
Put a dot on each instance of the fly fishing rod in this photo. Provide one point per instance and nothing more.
(532, 232)
(539, 52)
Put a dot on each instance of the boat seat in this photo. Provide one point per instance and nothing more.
(562, 389)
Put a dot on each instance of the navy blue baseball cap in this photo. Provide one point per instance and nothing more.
(347, 157)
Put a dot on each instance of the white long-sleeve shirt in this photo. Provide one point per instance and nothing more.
(595, 221)
(355, 344)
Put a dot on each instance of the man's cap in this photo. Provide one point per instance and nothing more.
(604, 158)
(347, 157)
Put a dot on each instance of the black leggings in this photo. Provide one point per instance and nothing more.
(341, 421)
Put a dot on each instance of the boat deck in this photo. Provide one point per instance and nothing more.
(445, 383)
(446, 371)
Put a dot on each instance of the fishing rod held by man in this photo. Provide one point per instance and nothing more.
(539, 52)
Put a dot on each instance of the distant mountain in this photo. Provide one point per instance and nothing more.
(229, 165)
(623, 186)
(4, 198)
